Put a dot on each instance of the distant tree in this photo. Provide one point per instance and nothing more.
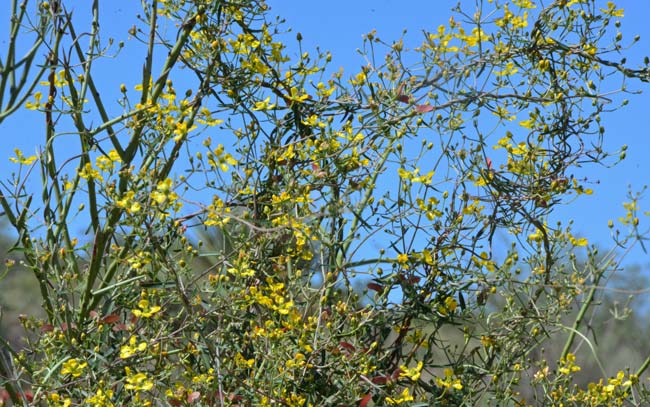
(400, 173)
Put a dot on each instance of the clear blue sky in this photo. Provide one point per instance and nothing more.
(338, 26)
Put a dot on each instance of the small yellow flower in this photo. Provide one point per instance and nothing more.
(73, 367)
(448, 307)
(37, 102)
(101, 398)
(137, 381)
(126, 351)
(88, 172)
(580, 242)
(449, 382)
(21, 159)
(403, 398)
(612, 10)
(402, 258)
(145, 310)
(264, 105)
(296, 96)
(412, 373)
(135, 207)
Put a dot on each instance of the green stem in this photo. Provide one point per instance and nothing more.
(11, 49)
(171, 60)
(107, 123)
(581, 313)
(643, 367)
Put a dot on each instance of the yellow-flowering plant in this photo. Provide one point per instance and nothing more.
(229, 273)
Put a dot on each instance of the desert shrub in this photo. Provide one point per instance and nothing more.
(398, 176)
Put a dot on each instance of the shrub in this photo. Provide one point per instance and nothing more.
(397, 179)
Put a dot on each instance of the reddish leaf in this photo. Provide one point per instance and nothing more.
(423, 108)
(364, 401)
(348, 346)
(120, 327)
(174, 402)
(93, 314)
(193, 396)
(379, 379)
(376, 287)
(396, 373)
(110, 319)
(404, 98)
(47, 328)
(29, 396)
(410, 279)
(488, 162)
(317, 170)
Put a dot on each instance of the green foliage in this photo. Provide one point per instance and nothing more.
(401, 175)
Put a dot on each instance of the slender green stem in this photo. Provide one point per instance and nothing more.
(368, 194)
(107, 122)
(171, 60)
(9, 67)
(583, 310)
(643, 367)
(16, 19)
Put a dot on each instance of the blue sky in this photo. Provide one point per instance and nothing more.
(338, 26)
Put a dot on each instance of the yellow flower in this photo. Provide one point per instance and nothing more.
(37, 102)
(568, 365)
(145, 310)
(509, 69)
(241, 267)
(580, 242)
(221, 159)
(524, 3)
(449, 382)
(296, 96)
(126, 351)
(449, 306)
(313, 121)
(73, 367)
(612, 11)
(56, 401)
(323, 91)
(137, 381)
(88, 172)
(101, 398)
(107, 162)
(21, 159)
(135, 207)
(427, 257)
(264, 105)
(181, 130)
(402, 258)
(207, 119)
(412, 373)
(164, 192)
(403, 398)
